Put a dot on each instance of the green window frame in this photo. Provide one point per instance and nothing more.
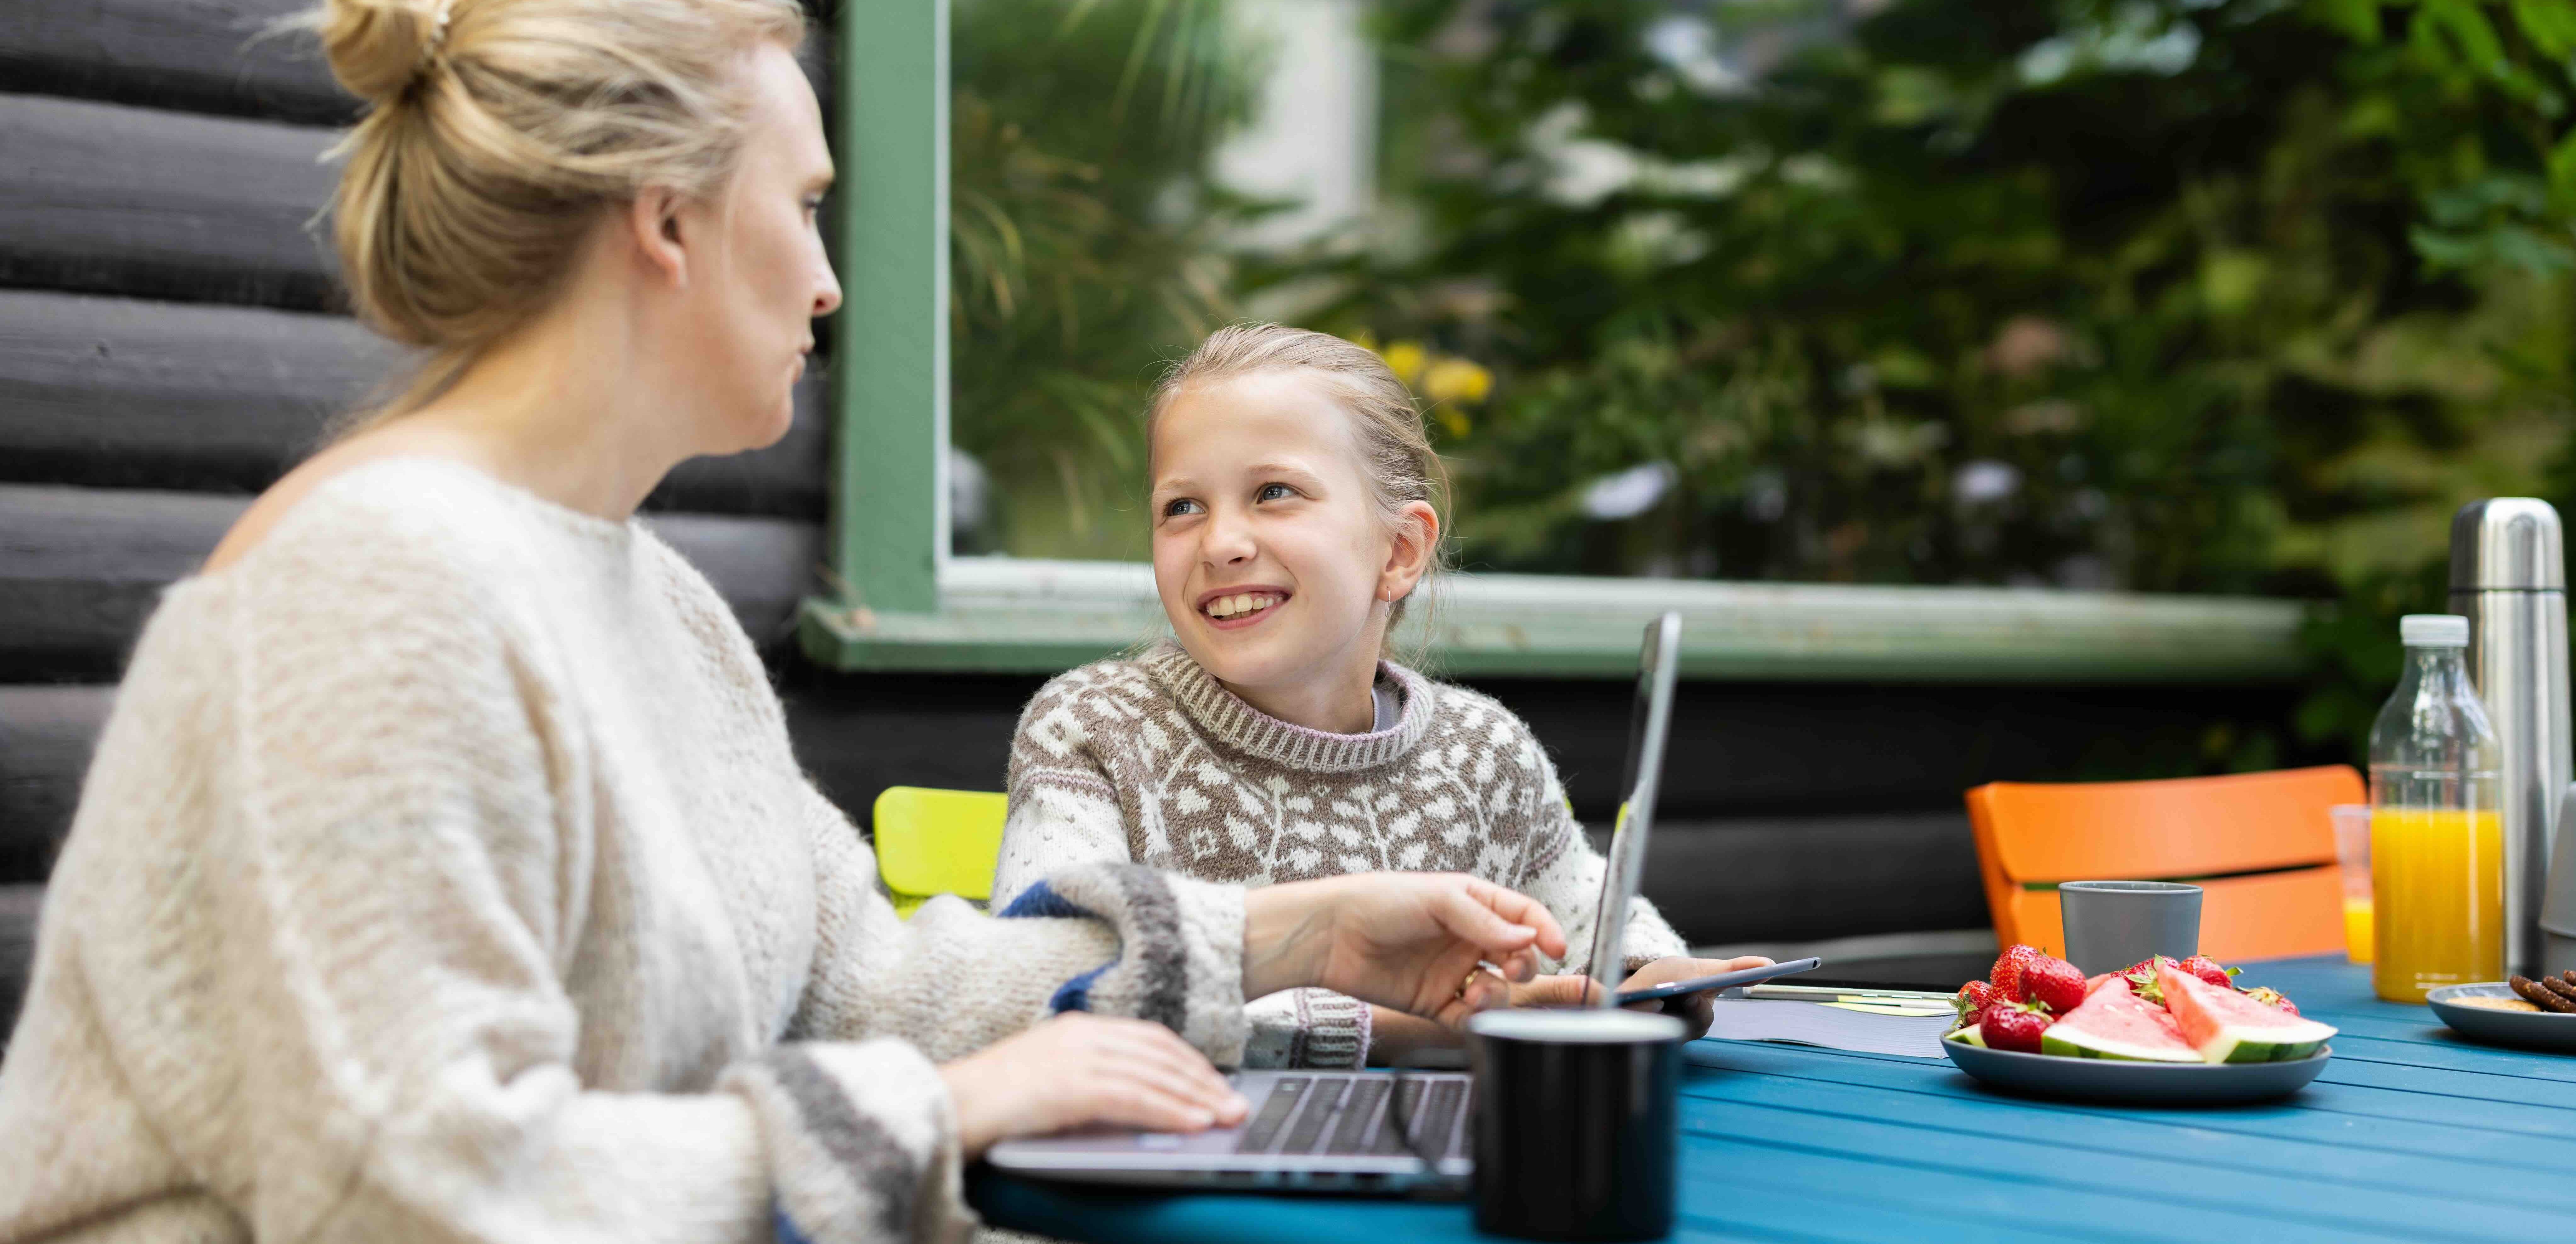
(897, 601)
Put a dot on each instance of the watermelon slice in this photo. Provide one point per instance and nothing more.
(2230, 1027)
(2115, 1023)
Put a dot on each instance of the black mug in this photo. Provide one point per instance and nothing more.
(1575, 1125)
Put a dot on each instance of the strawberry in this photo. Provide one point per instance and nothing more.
(2007, 973)
(1974, 997)
(2269, 996)
(2142, 979)
(2053, 983)
(2014, 1026)
(2207, 969)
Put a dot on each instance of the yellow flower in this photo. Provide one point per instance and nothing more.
(1406, 358)
(1452, 420)
(1457, 380)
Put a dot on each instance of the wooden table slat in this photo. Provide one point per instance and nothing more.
(2309, 1119)
(2213, 1195)
(2177, 1136)
(2410, 1134)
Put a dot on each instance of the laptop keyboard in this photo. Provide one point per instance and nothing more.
(1327, 1114)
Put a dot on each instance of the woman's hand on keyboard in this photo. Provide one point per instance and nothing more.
(1078, 1069)
(1411, 941)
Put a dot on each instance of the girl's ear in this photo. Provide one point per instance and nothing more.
(653, 224)
(1417, 537)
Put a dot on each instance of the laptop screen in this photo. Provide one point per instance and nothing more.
(1649, 722)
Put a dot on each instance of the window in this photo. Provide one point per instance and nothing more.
(904, 597)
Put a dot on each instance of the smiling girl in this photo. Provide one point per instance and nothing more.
(1295, 513)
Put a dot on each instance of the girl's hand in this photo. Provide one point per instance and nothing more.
(1078, 1069)
(1411, 941)
(1695, 1010)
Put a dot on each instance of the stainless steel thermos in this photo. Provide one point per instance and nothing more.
(2509, 578)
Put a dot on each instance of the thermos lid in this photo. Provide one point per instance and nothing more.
(2507, 542)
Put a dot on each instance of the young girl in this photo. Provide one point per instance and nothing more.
(1294, 514)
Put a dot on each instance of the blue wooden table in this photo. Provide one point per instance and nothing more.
(2410, 1134)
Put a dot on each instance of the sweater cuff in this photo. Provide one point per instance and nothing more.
(1180, 950)
(1309, 1028)
(862, 1143)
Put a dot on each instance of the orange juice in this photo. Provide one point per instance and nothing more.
(2439, 889)
(2356, 928)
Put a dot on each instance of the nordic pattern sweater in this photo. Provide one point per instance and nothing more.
(1152, 760)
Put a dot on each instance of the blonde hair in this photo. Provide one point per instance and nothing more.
(497, 130)
(1395, 452)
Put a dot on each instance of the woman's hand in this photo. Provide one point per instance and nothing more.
(1696, 1010)
(1411, 941)
(1077, 1069)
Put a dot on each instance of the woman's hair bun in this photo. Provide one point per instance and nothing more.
(378, 48)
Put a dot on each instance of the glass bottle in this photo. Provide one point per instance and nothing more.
(2436, 842)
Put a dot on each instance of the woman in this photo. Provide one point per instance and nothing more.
(444, 871)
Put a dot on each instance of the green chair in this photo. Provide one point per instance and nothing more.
(932, 842)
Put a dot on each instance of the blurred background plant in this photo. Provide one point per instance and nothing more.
(1085, 234)
(2155, 295)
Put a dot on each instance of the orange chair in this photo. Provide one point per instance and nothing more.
(2259, 845)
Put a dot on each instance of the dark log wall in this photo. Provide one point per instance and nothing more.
(170, 343)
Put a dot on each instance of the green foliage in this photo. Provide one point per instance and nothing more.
(2166, 295)
(2186, 296)
(1083, 226)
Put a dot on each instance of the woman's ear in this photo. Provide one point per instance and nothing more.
(1417, 538)
(654, 223)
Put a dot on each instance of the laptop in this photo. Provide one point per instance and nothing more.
(1338, 1131)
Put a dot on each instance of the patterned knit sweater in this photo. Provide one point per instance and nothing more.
(444, 874)
(1152, 760)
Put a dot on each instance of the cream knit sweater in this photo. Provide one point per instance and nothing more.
(1152, 760)
(444, 874)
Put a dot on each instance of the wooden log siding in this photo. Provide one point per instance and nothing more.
(207, 56)
(46, 735)
(117, 393)
(110, 199)
(194, 55)
(1720, 879)
(81, 569)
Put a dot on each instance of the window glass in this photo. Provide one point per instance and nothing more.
(2198, 295)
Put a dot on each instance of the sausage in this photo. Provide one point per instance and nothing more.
(2542, 997)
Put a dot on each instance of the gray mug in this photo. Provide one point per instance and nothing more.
(2112, 924)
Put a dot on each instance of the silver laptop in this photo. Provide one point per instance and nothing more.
(1338, 1131)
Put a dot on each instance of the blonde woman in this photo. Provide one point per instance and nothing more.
(444, 872)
